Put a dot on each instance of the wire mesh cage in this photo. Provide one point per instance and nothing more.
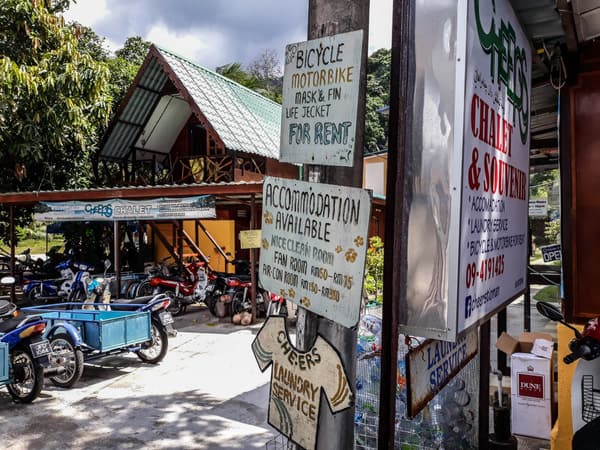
(447, 422)
(590, 406)
(280, 442)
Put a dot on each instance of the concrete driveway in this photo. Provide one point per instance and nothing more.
(208, 393)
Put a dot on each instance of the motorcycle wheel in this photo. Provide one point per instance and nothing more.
(211, 303)
(177, 307)
(238, 303)
(76, 295)
(144, 289)
(28, 377)
(62, 345)
(33, 296)
(155, 350)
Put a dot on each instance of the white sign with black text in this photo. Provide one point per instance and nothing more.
(314, 241)
(320, 100)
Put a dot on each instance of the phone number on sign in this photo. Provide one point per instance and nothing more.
(488, 269)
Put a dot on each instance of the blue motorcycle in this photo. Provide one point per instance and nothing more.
(38, 292)
(25, 353)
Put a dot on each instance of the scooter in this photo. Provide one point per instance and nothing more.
(38, 292)
(24, 353)
(585, 348)
(184, 291)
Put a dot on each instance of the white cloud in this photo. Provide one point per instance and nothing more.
(87, 12)
(380, 25)
(203, 46)
(213, 33)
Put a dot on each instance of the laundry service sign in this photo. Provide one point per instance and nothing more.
(199, 207)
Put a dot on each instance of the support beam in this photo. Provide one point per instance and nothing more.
(565, 10)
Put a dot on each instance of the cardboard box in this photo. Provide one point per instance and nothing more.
(531, 382)
(524, 344)
(531, 395)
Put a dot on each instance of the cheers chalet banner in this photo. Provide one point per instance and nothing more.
(199, 207)
(467, 168)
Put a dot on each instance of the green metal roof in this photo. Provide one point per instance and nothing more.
(244, 120)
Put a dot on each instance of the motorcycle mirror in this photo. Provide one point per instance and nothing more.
(7, 280)
(107, 263)
(551, 312)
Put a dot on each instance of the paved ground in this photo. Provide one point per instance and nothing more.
(208, 393)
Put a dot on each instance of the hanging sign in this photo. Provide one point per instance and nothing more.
(432, 365)
(199, 207)
(493, 233)
(551, 253)
(297, 380)
(314, 240)
(250, 239)
(320, 100)
(538, 207)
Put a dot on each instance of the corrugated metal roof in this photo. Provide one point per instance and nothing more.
(244, 120)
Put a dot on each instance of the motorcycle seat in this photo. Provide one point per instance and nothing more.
(13, 322)
(131, 301)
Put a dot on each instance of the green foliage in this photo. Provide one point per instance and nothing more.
(540, 183)
(373, 283)
(378, 95)
(552, 231)
(52, 100)
(263, 75)
(235, 72)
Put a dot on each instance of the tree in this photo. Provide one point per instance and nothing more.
(134, 50)
(235, 72)
(52, 98)
(266, 68)
(378, 96)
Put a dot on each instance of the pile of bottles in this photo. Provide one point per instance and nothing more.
(445, 423)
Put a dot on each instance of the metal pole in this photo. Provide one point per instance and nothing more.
(484, 385)
(328, 17)
(117, 255)
(253, 278)
(502, 326)
(394, 272)
(11, 238)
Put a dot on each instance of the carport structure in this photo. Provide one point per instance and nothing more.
(228, 197)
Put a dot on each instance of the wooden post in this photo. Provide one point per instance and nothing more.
(11, 239)
(328, 17)
(117, 252)
(394, 272)
(253, 278)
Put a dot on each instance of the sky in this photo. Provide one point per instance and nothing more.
(214, 32)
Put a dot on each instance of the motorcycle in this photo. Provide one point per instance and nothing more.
(184, 291)
(81, 280)
(38, 292)
(230, 294)
(27, 353)
(585, 348)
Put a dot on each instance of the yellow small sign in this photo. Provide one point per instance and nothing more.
(250, 239)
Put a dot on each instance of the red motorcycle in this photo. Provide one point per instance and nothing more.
(185, 290)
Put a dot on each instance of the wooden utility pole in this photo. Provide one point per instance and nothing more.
(394, 271)
(326, 18)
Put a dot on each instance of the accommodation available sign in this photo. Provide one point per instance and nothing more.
(314, 240)
(495, 162)
(320, 99)
(199, 207)
(297, 380)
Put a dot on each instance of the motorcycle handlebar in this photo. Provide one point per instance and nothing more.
(581, 351)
